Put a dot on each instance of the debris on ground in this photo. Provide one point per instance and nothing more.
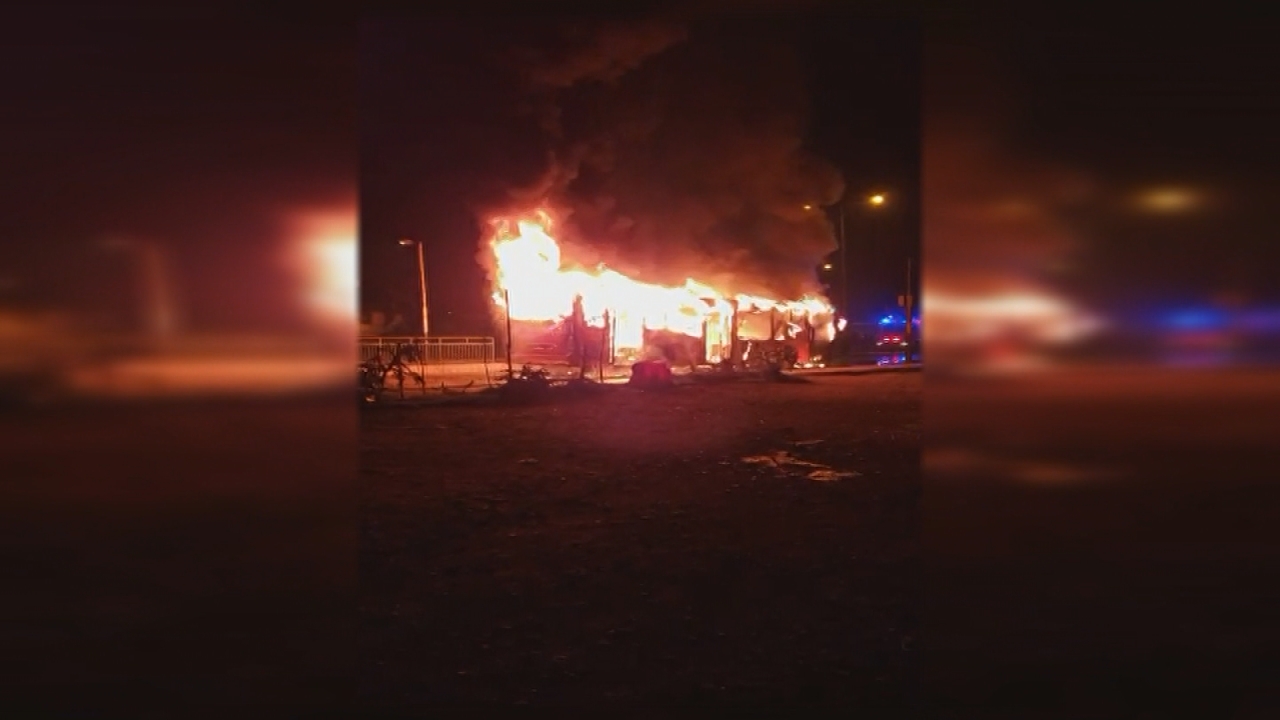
(780, 459)
(828, 475)
(787, 463)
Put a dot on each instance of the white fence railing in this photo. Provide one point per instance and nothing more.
(434, 350)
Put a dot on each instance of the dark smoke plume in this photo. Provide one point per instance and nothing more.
(677, 151)
(603, 52)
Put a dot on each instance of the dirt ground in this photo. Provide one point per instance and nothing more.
(617, 549)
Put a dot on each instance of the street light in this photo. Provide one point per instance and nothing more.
(1168, 200)
(875, 200)
(422, 279)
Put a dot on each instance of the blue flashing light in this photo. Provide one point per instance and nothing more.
(1196, 319)
(897, 320)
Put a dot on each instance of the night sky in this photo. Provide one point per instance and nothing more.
(1187, 106)
(195, 129)
(199, 129)
(449, 129)
(1122, 104)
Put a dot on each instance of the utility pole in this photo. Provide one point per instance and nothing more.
(734, 360)
(907, 304)
(844, 269)
(604, 344)
(506, 302)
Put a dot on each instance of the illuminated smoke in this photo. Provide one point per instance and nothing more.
(675, 149)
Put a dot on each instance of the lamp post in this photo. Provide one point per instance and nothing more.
(875, 200)
(907, 305)
(422, 280)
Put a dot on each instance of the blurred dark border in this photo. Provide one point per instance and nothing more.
(1100, 365)
(1098, 522)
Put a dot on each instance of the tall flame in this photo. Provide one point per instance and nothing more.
(532, 273)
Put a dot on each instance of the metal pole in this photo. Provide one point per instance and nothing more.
(579, 326)
(844, 268)
(604, 341)
(734, 360)
(907, 335)
(506, 299)
(422, 284)
(808, 336)
(703, 355)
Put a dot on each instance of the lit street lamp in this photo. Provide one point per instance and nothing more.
(906, 300)
(422, 279)
(875, 200)
(1168, 200)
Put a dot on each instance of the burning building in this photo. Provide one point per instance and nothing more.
(600, 316)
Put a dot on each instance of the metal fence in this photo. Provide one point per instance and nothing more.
(436, 350)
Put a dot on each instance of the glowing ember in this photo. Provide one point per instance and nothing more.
(542, 288)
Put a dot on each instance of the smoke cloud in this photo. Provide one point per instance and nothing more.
(676, 150)
(603, 52)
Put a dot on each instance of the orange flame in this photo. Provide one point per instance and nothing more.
(542, 288)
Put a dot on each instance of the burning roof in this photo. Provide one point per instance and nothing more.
(534, 282)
